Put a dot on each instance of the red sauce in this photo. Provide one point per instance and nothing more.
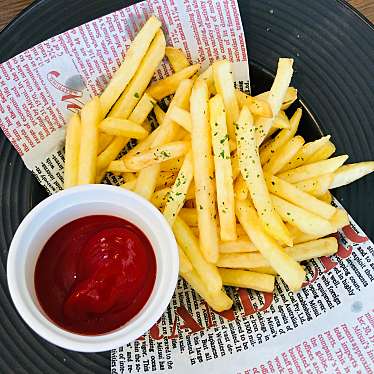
(94, 274)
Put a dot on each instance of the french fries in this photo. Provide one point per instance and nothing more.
(203, 171)
(291, 272)
(257, 106)
(130, 64)
(72, 149)
(316, 186)
(304, 220)
(178, 192)
(205, 167)
(190, 245)
(349, 173)
(283, 155)
(247, 279)
(177, 58)
(269, 148)
(222, 163)
(323, 153)
(166, 132)
(169, 85)
(242, 244)
(157, 155)
(305, 153)
(275, 97)
(90, 118)
(313, 170)
(134, 91)
(224, 84)
(122, 127)
(252, 173)
(289, 192)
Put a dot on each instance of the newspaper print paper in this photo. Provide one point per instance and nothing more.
(328, 326)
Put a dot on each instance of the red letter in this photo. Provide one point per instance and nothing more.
(352, 235)
(247, 303)
(189, 322)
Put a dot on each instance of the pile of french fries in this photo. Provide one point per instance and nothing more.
(246, 197)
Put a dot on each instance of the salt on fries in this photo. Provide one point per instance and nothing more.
(246, 197)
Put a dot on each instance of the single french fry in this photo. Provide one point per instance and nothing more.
(290, 97)
(157, 155)
(349, 173)
(181, 117)
(304, 220)
(316, 186)
(169, 85)
(190, 245)
(177, 58)
(134, 91)
(251, 171)
(248, 261)
(207, 76)
(283, 155)
(313, 249)
(258, 107)
(242, 244)
(104, 141)
(159, 113)
(268, 149)
(305, 153)
(224, 83)
(275, 97)
(340, 219)
(326, 198)
(223, 169)
(203, 171)
(72, 150)
(218, 301)
(91, 114)
(130, 64)
(122, 127)
(289, 192)
(326, 151)
(178, 192)
(313, 170)
(291, 272)
(247, 279)
(189, 215)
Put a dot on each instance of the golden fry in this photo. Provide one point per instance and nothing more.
(177, 58)
(72, 150)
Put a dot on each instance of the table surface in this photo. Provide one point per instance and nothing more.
(10, 8)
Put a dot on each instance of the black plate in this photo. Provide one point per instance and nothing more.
(333, 50)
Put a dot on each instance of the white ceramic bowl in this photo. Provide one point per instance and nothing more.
(57, 210)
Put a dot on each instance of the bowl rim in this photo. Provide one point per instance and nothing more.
(144, 319)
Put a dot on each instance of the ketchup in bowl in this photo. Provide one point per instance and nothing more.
(94, 274)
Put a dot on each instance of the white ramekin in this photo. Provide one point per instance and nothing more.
(66, 206)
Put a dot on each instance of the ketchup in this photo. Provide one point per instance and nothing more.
(94, 274)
